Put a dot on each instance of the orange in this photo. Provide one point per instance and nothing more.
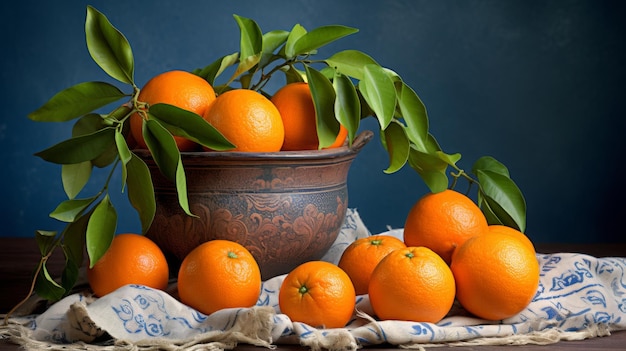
(219, 274)
(443, 221)
(295, 103)
(412, 284)
(131, 259)
(341, 137)
(179, 88)
(319, 294)
(497, 275)
(361, 257)
(513, 232)
(247, 119)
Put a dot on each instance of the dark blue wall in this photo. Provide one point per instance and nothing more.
(536, 84)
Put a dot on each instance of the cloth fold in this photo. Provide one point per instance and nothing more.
(579, 296)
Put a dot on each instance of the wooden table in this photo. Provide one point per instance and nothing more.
(19, 256)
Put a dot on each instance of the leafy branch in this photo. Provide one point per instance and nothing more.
(101, 141)
(346, 87)
(351, 86)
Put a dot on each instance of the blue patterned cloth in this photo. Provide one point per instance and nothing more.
(579, 296)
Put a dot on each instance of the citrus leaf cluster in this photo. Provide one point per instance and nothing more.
(100, 140)
(346, 87)
(350, 85)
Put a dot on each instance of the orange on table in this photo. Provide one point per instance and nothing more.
(296, 107)
(496, 275)
(179, 88)
(319, 294)
(443, 221)
(131, 259)
(219, 274)
(498, 228)
(247, 119)
(361, 257)
(412, 284)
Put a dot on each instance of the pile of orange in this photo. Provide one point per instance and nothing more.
(205, 273)
(449, 250)
(492, 271)
(248, 119)
(495, 268)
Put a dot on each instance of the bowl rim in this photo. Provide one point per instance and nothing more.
(359, 142)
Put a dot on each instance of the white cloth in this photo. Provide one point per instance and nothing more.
(579, 296)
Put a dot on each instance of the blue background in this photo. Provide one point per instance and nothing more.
(537, 84)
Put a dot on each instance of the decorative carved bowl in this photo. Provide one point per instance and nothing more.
(285, 207)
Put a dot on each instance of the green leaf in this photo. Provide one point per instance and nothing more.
(251, 37)
(246, 80)
(397, 145)
(323, 95)
(46, 287)
(70, 274)
(294, 35)
(395, 77)
(122, 147)
(167, 157)
(431, 168)
(450, 159)
(380, 93)
(190, 125)
(351, 63)
(272, 41)
(347, 104)
(125, 155)
(490, 215)
(162, 146)
(488, 163)
(245, 65)
(93, 122)
(141, 191)
(181, 189)
(76, 101)
(217, 67)
(73, 247)
(74, 238)
(414, 114)
(504, 198)
(433, 148)
(108, 47)
(494, 212)
(319, 37)
(366, 110)
(251, 44)
(293, 75)
(74, 177)
(45, 241)
(69, 210)
(79, 149)
(87, 124)
(100, 230)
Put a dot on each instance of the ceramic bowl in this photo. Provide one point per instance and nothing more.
(285, 207)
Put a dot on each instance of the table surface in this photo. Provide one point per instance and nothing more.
(19, 256)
